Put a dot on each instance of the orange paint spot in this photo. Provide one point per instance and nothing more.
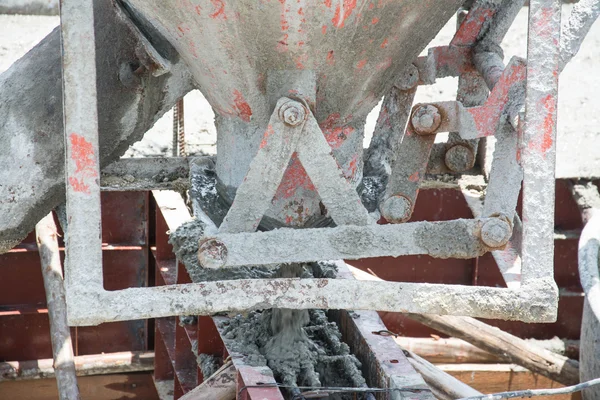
(219, 10)
(330, 59)
(414, 177)
(549, 123)
(385, 64)
(270, 131)
(300, 60)
(324, 29)
(328, 3)
(82, 152)
(384, 44)
(361, 64)
(243, 108)
(300, 11)
(343, 12)
(371, 6)
(374, 21)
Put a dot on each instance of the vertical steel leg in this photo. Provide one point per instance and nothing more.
(62, 347)
(539, 135)
(84, 251)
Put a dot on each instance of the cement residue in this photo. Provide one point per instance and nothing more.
(185, 246)
(208, 364)
(312, 356)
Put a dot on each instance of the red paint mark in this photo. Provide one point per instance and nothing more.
(282, 45)
(243, 109)
(469, 30)
(270, 131)
(371, 6)
(330, 58)
(334, 130)
(300, 60)
(343, 12)
(198, 10)
(549, 103)
(385, 64)
(328, 3)
(219, 11)
(324, 29)
(300, 11)
(361, 64)
(384, 44)
(294, 178)
(414, 177)
(82, 152)
(374, 21)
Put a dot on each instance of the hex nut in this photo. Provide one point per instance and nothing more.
(212, 253)
(292, 113)
(396, 209)
(426, 119)
(496, 232)
(459, 158)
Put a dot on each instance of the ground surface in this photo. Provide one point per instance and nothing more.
(579, 99)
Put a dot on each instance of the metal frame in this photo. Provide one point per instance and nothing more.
(534, 301)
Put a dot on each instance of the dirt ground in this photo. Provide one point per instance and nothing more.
(579, 98)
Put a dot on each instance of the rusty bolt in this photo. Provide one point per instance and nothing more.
(396, 209)
(212, 253)
(496, 232)
(292, 113)
(426, 119)
(459, 158)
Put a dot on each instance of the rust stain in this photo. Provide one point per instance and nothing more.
(243, 108)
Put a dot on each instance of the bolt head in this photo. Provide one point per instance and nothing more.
(212, 253)
(496, 232)
(396, 209)
(459, 158)
(426, 119)
(292, 113)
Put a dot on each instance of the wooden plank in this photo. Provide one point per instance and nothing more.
(220, 386)
(494, 378)
(454, 351)
(95, 364)
(99, 387)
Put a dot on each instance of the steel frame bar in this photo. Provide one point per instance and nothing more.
(538, 151)
(83, 272)
(351, 242)
(60, 334)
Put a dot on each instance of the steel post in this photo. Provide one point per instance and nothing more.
(538, 151)
(84, 242)
(62, 347)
